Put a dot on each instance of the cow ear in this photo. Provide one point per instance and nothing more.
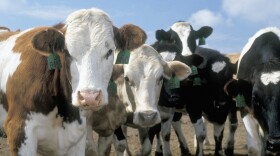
(117, 71)
(231, 88)
(130, 37)
(162, 35)
(49, 39)
(204, 32)
(181, 70)
(195, 60)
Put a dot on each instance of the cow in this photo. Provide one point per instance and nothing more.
(256, 90)
(138, 84)
(203, 92)
(51, 79)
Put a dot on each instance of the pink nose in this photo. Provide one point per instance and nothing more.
(91, 99)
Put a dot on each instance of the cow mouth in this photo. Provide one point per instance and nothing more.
(95, 107)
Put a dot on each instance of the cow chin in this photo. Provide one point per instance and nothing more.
(146, 118)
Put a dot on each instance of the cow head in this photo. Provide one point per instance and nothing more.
(183, 34)
(259, 83)
(89, 39)
(143, 75)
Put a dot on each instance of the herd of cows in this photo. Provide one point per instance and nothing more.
(60, 83)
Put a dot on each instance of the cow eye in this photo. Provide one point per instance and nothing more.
(109, 53)
(160, 79)
(126, 79)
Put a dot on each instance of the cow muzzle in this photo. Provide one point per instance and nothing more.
(148, 118)
(90, 99)
(273, 145)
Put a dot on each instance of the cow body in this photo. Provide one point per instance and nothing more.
(42, 112)
(205, 97)
(258, 83)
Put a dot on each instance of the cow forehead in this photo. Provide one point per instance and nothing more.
(253, 38)
(270, 78)
(168, 56)
(181, 28)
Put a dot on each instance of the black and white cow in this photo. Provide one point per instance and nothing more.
(257, 88)
(202, 93)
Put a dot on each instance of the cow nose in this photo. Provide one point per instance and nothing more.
(273, 144)
(90, 99)
(148, 116)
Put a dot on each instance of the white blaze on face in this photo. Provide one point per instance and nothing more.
(168, 56)
(183, 30)
(273, 77)
(90, 42)
(218, 66)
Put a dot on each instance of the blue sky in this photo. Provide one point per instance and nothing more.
(234, 21)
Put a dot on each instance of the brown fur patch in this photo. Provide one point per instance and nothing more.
(130, 37)
(5, 35)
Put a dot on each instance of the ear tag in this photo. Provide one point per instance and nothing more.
(201, 41)
(174, 82)
(112, 87)
(54, 61)
(123, 57)
(197, 81)
(240, 101)
(194, 70)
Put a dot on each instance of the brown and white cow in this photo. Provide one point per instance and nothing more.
(44, 98)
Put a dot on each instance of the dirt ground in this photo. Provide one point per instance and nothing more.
(133, 141)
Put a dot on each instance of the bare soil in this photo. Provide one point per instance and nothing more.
(134, 145)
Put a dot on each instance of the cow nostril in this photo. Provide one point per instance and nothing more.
(80, 97)
(148, 115)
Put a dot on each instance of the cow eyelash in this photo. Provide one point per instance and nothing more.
(109, 53)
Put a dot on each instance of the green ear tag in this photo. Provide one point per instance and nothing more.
(54, 61)
(240, 101)
(201, 41)
(174, 82)
(112, 87)
(194, 70)
(197, 81)
(123, 57)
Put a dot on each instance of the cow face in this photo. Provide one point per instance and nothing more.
(142, 81)
(266, 102)
(182, 34)
(90, 42)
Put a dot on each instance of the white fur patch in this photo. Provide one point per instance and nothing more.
(9, 60)
(218, 66)
(183, 30)
(252, 39)
(267, 78)
(50, 134)
(168, 56)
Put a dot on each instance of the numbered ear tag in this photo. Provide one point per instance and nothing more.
(194, 70)
(112, 87)
(54, 61)
(197, 81)
(123, 57)
(174, 82)
(202, 41)
(240, 101)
